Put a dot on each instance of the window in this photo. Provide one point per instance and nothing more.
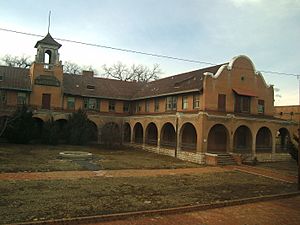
(90, 87)
(2, 97)
(125, 107)
(91, 103)
(70, 103)
(171, 103)
(147, 106)
(222, 102)
(156, 105)
(184, 102)
(196, 101)
(242, 103)
(261, 106)
(111, 106)
(21, 98)
(138, 107)
(1, 77)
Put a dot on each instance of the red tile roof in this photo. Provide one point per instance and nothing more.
(15, 78)
(82, 85)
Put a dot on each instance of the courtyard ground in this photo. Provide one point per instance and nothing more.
(38, 196)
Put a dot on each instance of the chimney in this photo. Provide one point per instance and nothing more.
(88, 73)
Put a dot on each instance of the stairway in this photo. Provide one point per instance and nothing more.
(225, 159)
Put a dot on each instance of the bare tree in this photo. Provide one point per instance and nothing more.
(138, 73)
(73, 68)
(16, 61)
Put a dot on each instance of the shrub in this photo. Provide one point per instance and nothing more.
(50, 133)
(21, 128)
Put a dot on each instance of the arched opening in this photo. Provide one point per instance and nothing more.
(47, 59)
(188, 136)
(168, 136)
(93, 131)
(283, 140)
(110, 134)
(61, 126)
(242, 140)
(263, 140)
(126, 132)
(218, 139)
(151, 134)
(38, 128)
(138, 133)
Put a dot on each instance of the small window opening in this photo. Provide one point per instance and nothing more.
(47, 57)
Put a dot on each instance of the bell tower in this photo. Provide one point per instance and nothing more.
(47, 75)
(47, 51)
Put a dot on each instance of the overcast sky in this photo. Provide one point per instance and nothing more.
(267, 31)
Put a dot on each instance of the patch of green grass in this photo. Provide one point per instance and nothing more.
(52, 199)
(15, 158)
(289, 167)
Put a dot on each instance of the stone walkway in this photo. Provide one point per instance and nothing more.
(276, 212)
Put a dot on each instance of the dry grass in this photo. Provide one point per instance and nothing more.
(15, 158)
(41, 200)
(286, 167)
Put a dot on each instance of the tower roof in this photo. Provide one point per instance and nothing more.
(49, 40)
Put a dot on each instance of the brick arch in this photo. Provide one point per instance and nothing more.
(188, 137)
(151, 134)
(242, 139)
(126, 132)
(218, 138)
(283, 140)
(168, 135)
(138, 132)
(263, 140)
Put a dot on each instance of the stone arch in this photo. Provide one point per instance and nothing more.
(38, 125)
(263, 140)
(188, 137)
(168, 136)
(283, 140)
(151, 134)
(138, 133)
(93, 136)
(48, 57)
(218, 139)
(242, 140)
(126, 133)
(111, 134)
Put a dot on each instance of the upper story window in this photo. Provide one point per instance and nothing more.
(147, 106)
(91, 104)
(2, 97)
(138, 107)
(196, 101)
(156, 105)
(21, 98)
(1, 77)
(171, 103)
(261, 106)
(90, 87)
(184, 102)
(111, 106)
(125, 107)
(242, 103)
(71, 103)
(222, 102)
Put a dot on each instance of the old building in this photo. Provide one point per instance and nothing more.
(195, 116)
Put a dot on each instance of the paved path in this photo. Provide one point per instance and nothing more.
(141, 173)
(276, 212)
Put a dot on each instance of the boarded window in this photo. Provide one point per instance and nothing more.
(222, 102)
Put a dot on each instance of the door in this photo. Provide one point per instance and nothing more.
(46, 100)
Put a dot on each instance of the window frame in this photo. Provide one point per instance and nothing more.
(89, 102)
(156, 105)
(196, 101)
(22, 98)
(184, 101)
(171, 103)
(147, 105)
(3, 97)
(111, 106)
(69, 103)
(242, 104)
(261, 106)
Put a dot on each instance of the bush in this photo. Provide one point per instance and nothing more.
(293, 150)
(111, 135)
(79, 130)
(21, 128)
(50, 133)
